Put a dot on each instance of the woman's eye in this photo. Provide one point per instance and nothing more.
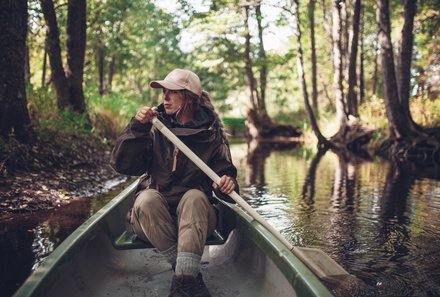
(165, 91)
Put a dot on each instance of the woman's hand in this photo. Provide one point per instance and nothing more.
(145, 114)
(226, 185)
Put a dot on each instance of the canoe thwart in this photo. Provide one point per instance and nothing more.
(128, 240)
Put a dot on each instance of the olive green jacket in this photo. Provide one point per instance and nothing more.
(141, 149)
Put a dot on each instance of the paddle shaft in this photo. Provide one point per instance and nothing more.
(215, 178)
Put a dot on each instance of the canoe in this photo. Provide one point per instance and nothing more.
(101, 259)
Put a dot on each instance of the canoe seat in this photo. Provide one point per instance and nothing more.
(128, 241)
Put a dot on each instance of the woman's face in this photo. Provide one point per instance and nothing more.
(172, 101)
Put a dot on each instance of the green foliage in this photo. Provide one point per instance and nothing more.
(140, 42)
(67, 121)
(234, 125)
(426, 112)
(41, 103)
(295, 118)
(110, 113)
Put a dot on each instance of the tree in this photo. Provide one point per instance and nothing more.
(14, 116)
(400, 125)
(75, 51)
(362, 59)
(406, 49)
(68, 83)
(322, 141)
(311, 7)
(338, 76)
(263, 61)
(352, 74)
(250, 79)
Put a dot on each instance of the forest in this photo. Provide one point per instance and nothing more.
(356, 76)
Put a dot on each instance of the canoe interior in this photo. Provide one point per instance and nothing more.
(250, 263)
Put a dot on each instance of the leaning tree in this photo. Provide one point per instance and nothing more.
(407, 139)
(67, 81)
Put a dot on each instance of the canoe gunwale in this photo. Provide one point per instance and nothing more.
(296, 272)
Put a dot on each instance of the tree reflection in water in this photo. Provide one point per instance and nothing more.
(379, 220)
(257, 153)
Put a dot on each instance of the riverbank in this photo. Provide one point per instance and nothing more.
(55, 169)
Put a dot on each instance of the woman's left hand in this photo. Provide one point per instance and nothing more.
(226, 185)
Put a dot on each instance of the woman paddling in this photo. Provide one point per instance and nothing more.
(172, 208)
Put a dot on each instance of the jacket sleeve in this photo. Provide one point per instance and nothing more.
(132, 152)
(222, 165)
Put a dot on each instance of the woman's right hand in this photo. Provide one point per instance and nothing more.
(145, 114)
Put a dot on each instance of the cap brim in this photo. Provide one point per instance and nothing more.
(159, 84)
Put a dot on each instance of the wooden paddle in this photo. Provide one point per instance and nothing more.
(317, 261)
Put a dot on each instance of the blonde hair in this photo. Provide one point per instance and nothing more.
(205, 100)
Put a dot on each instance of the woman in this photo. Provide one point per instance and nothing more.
(172, 208)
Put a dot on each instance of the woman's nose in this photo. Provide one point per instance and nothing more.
(166, 95)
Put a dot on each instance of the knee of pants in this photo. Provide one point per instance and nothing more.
(195, 199)
(149, 201)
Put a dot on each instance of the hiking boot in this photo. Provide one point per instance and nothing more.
(201, 289)
(188, 286)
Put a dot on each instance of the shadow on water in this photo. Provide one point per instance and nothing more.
(27, 239)
(380, 220)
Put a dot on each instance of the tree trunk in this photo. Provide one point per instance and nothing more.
(247, 60)
(327, 26)
(406, 49)
(263, 61)
(43, 75)
(313, 55)
(27, 66)
(345, 40)
(399, 125)
(111, 72)
(14, 116)
(76, 45)
(362, 57)
(54, 52)
(352, 75)
(376, 66)
(101, 88)
(322, 141)
(338, 64)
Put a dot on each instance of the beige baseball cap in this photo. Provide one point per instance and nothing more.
(180, 79)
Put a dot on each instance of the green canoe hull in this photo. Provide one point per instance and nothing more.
(251, 263)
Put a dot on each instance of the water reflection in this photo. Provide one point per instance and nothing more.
(308, 189)
(379, 220)
(42, 246)
(257, 153)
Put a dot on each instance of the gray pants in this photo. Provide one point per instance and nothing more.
(152, 221)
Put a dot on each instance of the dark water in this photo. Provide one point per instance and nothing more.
(26, 240)
(380, 221)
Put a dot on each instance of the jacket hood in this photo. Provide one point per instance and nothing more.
(202, 124)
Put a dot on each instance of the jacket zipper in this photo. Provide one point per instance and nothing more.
(175, 152)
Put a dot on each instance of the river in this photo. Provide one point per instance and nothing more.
(379, 220)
